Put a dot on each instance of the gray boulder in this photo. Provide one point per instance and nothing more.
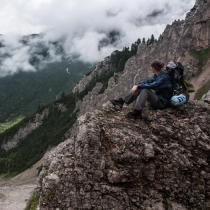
(110, 162)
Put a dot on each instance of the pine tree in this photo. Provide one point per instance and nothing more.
(152, 38)
(138, 41)
(120, 66)
(148, 41)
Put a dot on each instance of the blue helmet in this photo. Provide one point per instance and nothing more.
(178, 100)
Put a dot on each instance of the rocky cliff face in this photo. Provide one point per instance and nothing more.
(22, 132)
(158, 162)
(177, 40)
(109, 162)
(13, 140)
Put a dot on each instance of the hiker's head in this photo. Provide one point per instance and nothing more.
(157, 65)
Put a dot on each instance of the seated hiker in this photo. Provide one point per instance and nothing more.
(156, 90)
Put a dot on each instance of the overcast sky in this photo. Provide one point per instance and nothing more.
(83, 23)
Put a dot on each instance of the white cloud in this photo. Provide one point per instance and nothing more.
(18, 60)
(84, 23)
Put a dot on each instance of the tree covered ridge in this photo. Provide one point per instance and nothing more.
(57, 123)
(21, 94)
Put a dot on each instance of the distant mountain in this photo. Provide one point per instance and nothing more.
(47, 126)
(21, 93)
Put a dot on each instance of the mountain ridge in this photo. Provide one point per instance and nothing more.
(136, 68)
(22, 93)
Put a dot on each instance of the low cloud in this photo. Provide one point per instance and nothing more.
(78, 28)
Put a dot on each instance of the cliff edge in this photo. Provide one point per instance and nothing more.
(109, 162)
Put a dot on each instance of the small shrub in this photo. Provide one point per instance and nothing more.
(32, 203)
(165, 197)
(202, 56)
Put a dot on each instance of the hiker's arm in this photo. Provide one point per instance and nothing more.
(152, 79)
(153, 85)
(149, 81)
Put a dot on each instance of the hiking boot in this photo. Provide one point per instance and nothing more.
(135, 114)
(119, 102)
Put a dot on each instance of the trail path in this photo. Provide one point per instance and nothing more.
(15, 192)
(15, 197)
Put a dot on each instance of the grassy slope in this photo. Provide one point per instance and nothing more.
(202, 56)
(202, 91)
(9, 123)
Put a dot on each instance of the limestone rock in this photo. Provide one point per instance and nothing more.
(177, 40)
(110, 162)
(13, 141)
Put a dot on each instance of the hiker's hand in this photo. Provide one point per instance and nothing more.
(134, 89)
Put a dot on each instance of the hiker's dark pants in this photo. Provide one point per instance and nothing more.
(141, 96)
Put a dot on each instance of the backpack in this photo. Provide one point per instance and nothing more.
(179, 88)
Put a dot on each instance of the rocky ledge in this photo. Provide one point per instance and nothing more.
(110, 162)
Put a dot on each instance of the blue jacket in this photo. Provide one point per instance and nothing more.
(161, 84)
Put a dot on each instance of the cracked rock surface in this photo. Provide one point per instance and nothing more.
(110, 162)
